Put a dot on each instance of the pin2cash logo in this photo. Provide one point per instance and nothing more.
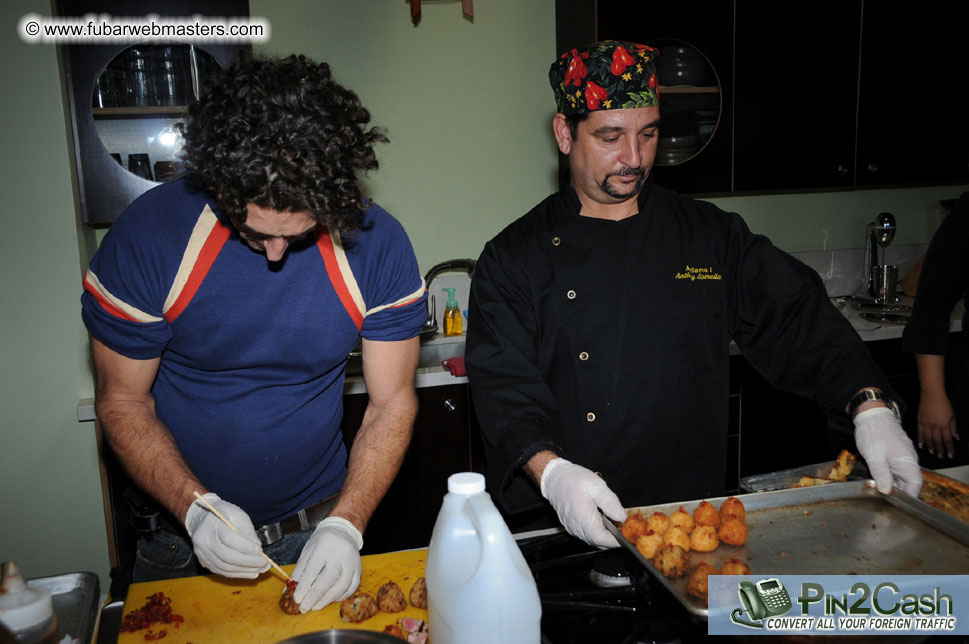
(863, 608)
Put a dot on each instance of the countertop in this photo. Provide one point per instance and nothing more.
(871, 331)
(960, 472)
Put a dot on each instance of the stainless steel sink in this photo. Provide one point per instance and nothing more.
(432, 354)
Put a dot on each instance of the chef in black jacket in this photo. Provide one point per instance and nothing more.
(600, 324)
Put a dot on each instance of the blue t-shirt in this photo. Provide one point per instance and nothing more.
(252, 355)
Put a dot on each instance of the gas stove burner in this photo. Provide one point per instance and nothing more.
(881, 308)
(610, 570)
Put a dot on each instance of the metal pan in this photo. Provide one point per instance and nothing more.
(76, 597)
(784, 479)
(839, 528)
(342, 636)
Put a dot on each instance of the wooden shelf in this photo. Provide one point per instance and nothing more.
(688, 89)
(155, 110)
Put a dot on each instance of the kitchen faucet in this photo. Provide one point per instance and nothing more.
(467, 265)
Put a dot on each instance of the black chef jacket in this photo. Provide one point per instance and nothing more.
(608, 343)
(943, 281)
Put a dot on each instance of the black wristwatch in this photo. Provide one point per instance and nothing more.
(865, 395)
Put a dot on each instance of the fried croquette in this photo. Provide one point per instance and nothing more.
(733, 531)
(358, 607)
(696, 585)
(811, 481)
(418, 593)
(706, 514)
(658, 522)
(842, 466)
(704, 538)
(732, 507)
(634, 526)
(672, 561)
(734, 566)
(390, 598)
(649, 543)
(677, 537)
(682, 519)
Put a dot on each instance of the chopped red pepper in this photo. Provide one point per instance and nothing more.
(157, 610)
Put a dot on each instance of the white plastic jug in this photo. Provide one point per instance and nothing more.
(26, 613)
(479, 588)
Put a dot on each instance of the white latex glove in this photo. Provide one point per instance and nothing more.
(577, 493)
(224, 551)
(888, 451)
(329, 567)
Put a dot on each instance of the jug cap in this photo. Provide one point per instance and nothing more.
(466, 483)
(21, 606)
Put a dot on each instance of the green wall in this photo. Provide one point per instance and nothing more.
(466, 105)
(50, 492)
(468, 112)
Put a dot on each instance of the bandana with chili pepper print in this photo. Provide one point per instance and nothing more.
(607, 75)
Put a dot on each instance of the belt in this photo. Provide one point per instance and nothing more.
(305, 519)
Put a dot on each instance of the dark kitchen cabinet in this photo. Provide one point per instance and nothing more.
(815, 95)
(782, 430)
(842, 93)
(912, 119)
(141, 117)
(441, 445)
(796, 90)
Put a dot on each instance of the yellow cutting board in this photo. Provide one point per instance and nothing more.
(221, 610)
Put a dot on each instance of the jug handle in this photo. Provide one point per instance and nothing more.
(488, 521)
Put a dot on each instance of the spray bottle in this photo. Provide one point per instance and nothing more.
(452, 315)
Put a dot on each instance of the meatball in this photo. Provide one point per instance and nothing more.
(390, 598)
(286, 601)
(706, 514)
(734, 532)
(677, 537)
(418, 593)
(732, 507)
(633, 527)
(358, 607)
(649, 543)
(657, 522)
(696, 585)
(734, 566)
(704, 538)
(672, 561)
(682, 519)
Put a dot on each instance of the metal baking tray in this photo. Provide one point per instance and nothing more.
(784, 479)
(834, 529)
(77, 598)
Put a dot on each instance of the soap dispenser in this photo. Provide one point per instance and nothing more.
(452, 315)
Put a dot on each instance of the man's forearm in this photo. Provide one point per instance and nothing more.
(148, 452)
(375, 458)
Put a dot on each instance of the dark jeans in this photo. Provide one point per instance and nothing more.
(168, 556)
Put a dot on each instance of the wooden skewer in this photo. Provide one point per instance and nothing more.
(229, 523)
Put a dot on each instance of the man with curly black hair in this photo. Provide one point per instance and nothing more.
(222, 307)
